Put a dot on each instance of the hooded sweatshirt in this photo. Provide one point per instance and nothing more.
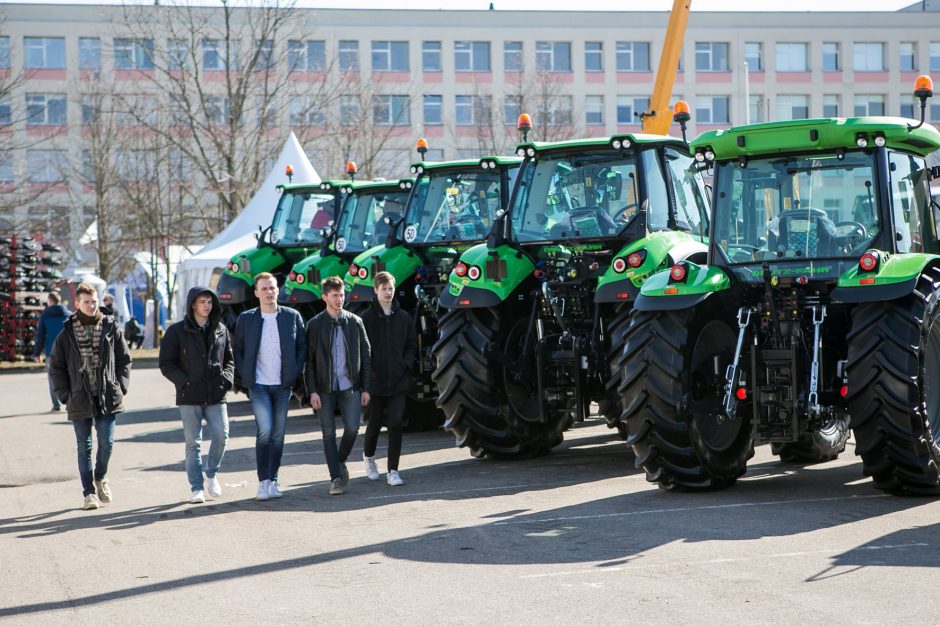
(50, 324)
(198, 360)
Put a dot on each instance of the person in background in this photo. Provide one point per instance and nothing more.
(50, 324)
(107, 304)
(394, 346)
(270, 348)
(196, 356)
(90, 367)
(133, 333)
(337, 375)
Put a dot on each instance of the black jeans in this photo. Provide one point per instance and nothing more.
(393, 408)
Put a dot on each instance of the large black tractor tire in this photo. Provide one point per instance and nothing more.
(825, 444)
(472, 392)
(664, 361)
(893, 375)
(610, 404)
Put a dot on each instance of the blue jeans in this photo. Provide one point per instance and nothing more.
(350, 408)
(56, 405)
(216, 417)
(104, 425)
(269, 404)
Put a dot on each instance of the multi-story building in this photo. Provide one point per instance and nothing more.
(460, 78)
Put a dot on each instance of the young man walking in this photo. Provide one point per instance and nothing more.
(338, 371)
(50, 324)
(90, 367)
(394, 345)
(196, 356)
(270, 348)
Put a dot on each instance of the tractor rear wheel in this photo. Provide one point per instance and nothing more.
(610, 404)
(825, 444)
(672, 400)
(893, 374)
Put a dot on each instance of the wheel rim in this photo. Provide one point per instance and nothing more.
(931, 378)
(522, 395)
(718, 432)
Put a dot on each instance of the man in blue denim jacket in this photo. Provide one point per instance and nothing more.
(270, 349)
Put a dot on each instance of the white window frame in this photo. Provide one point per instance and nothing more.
(706, 50)
(549, 56)
(52, 104)
(868, 56)
(790, 102)
(594, 51)
(44, 53)
(89, 53)
(391, 110)
(792, 57)
(633, 56)
(432, 102)
(385, 53)
(306, 55)
(834, 51)
(430, 53)
(302, 110)
(754, 50)
(472, 110)
(907, 50)
(594, 110)
(513, 59)
(46, 166)
(472, 56)
(830, 100)
(863, 104)
(706, 109)
(133, 54)
(348, 51)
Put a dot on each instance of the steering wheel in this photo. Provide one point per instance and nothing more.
(604, 223)
(851, 228)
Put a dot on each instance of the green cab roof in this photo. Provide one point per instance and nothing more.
(390, 185)
(430, 166)
(822, 134)
(601, 142)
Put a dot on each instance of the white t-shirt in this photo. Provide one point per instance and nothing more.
(268, 368)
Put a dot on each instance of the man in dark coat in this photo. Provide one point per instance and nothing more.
(196, 356)
(394, 346)
(50, 324)
(90, 366)
(338, 376)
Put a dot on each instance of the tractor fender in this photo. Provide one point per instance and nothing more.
(895, 277)
(661, 293)
(501, 270)
(399, 261)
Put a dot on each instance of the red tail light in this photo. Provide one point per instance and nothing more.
(353, 269)
(460, 269)
(292, 275)
(677, 274)
(868, 262)
(741, 393)
(636, 259)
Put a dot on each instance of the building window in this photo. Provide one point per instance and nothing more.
(348, 55)
(349, 111)
(633, 57)
(512, 109)
(868, 57)
(133, 54)
(6, 111)
(89, 53)
(267, 112)
(553, 56)
(472, 110)
(559, 111)
(830, 106)
(90, 109)
(594, 56)
(934, 57)
(306, 56)
(265, 57)
(4, 52)
(754, 56)
(389, 56)
(213, 55)
(45, 166)
(391, 110)
(472, 56)
(791, 57)
(792, 108)
(45, 109)
(44, 53)
(868, 105)
(512, 56)
(303, 111)
(711, 110)
(831, 57)
(433, 110)
(907, 106)
(431, 56)
(908, 54)
(628, 107)
(6, 167)
(755, 109)
(593, 110)
(217, 109)
(711, 56)
(177, 54)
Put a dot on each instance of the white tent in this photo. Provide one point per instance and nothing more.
(239, 234)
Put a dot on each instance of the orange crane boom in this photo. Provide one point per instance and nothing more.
(658, 119)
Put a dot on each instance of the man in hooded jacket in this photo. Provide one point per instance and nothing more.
(196, 356)
(50, 324)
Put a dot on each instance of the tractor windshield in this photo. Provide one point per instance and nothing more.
(300, 217)
(819, 206)
(362, 222)
(583, 196)
(453, 206)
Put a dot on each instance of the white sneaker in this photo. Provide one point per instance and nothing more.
(214, 487)
(263, 487)
(198, 497)
(394, 479)
(372, 470)
(91, 502)
(274, 491)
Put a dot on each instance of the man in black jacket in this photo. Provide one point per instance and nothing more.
(338, 376)
(90, 367)
(196, 356)
(394, 345)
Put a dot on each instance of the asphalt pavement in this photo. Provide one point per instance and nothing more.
(574, 537)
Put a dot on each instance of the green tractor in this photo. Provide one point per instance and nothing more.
(364, 206)
(537, 313)
(296, 231)
(451, 207)
(817, 311)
